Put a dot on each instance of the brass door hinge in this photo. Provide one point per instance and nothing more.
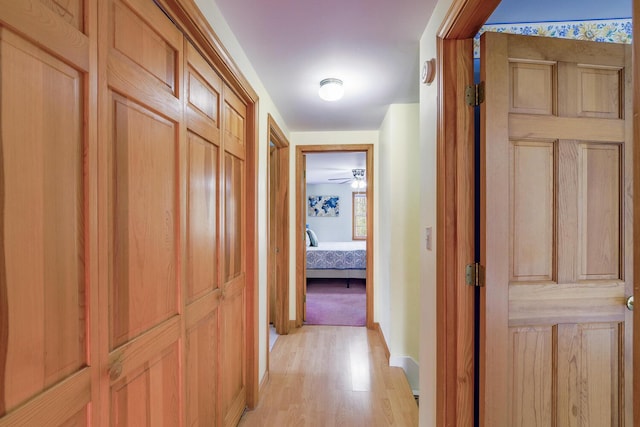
(474, 275)
(474, 94)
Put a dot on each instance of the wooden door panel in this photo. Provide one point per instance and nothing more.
(204, 295)
(599, 197)
(588, 367)
(532, 170)
(151, 48)
(43, 296)
(202, 218)
(233, 209)
(144, 288)
(530, 370)
(234, 120)
(149, 395)
(145, 148)
(233, 300)
(234, 125)
(555, 112)
(233, 391)
(203, 87)
(532, 87)
(600, 92)
(202, 362)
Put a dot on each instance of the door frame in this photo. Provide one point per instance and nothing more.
(455, 322)
(301, 274)
(281, 320)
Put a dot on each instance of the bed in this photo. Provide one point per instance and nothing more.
(342, 260)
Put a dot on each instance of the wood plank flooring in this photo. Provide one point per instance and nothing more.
(329, 376)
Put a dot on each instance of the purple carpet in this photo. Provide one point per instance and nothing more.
(330, 302)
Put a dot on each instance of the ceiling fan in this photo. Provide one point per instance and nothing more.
(357, 181)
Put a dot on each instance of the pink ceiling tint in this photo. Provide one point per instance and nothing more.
(372, 45)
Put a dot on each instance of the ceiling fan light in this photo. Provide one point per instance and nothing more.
(354, 185)
(331, 89)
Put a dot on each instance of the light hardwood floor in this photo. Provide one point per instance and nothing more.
(333, 376)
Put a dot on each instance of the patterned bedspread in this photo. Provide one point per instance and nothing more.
(337, 256)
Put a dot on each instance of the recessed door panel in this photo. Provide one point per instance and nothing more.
(599, 211)
(145, 46)
(144, 288)
(149, 396)
(43, 296)
(532, 210)
(202, 218)
(202, 361)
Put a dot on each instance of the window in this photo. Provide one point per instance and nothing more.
(359, 216)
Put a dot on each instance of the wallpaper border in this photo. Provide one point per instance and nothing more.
(605, 30)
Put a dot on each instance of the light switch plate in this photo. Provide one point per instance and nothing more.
(428, 237)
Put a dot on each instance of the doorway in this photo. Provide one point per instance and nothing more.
(336, 219)
(301, 222)
(455, 231)
(278, 233)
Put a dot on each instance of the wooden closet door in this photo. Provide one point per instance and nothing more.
(143, 107)
(203, 294)
(46, 170)
(233, 305)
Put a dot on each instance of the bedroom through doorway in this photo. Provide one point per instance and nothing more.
(335, 229)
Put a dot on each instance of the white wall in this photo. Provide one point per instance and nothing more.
(333, 228)
(428, 127)
(397, 294)
(266, 106)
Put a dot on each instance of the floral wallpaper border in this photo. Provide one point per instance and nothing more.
(606, 30)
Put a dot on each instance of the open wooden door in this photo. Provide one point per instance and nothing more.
(556, 233)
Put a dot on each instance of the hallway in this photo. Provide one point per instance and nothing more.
(332, 376)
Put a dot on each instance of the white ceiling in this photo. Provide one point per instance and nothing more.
(372, 45)
(321, 167)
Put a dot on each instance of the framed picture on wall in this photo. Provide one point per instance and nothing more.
(324, 206)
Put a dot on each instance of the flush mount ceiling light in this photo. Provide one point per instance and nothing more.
(331, 89)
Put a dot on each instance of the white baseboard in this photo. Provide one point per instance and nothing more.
(411, 370)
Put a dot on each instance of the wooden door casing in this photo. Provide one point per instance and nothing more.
(278, 258)
(47, 282)
(556, 233)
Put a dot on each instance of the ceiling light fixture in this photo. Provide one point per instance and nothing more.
(331, 89)
(358, 182)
